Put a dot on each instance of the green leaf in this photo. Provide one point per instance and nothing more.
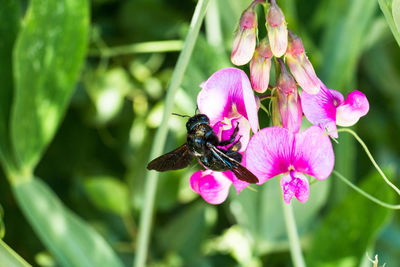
(390, 9)
(2, 227)
(10, 258)
(48, 56)
(108, 194)
(396, 14)
(71, 240)
(9, 24)
(351, 226)
(343, 41)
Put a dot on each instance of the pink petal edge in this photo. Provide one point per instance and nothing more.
(212, 186)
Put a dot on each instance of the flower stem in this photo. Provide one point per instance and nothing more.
(295, 247)
(145, 47)
(365, 194)
(364, 146)
(161, 134)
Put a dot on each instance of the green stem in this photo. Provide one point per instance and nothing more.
(365, 194)
(370, 157)
(294, 242)
(161, 134)
(145, 47)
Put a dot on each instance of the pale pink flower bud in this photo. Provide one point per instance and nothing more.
(244, 42)
(277, 30)
(300, 66)
(260, 66)
(289, 101)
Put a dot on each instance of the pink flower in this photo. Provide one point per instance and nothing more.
(260, 66)
(275, 150)
(228, 94)
(244, 42)
(328, 108)
(300, 66)
(227, 99)
(288, 101)
(277, 30)
(214, 186)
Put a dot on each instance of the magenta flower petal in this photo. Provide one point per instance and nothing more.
(355, 106)
(313, 153)
(269, 152)
(320, 108)
(212, 186)
(238, 184)
(224, 130)
(227, 94)
(295, 184)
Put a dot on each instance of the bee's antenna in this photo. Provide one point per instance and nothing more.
(184, 116)
(197, 110)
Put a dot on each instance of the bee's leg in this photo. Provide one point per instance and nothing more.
(232, 138)
(236, 146)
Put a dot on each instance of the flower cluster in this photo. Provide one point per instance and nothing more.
(227, 97)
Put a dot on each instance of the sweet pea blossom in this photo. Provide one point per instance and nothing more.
(227, 99)
(328, 108)
(288, 100)
(244, 42)
(260, 66)
(275, 150)
(277, 30)
(300, 66)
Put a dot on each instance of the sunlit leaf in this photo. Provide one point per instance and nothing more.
(390, 9)
(108, 193)
(349, 228)
(48, 55)
(71, 240)
(396, 14)
(9, 24)
(2, 228)
(10, 258)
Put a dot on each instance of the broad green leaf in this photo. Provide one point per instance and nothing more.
(390, 9)
(48, 55)
(350, 227)
(71, 240)
(396, 14)
(10, 258)
(108, 193)
(9, 24)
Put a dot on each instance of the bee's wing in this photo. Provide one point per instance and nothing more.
(241, 172)
(174, 160)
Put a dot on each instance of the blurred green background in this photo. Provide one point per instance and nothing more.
(81, 96)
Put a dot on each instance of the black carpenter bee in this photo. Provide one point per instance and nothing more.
(203, 143)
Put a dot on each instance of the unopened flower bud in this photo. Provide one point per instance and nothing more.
(244, 42)
(289, 101)
(277, 30)
(260, 66)
(300, 66)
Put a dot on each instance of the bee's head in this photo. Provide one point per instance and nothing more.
(197, 119)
